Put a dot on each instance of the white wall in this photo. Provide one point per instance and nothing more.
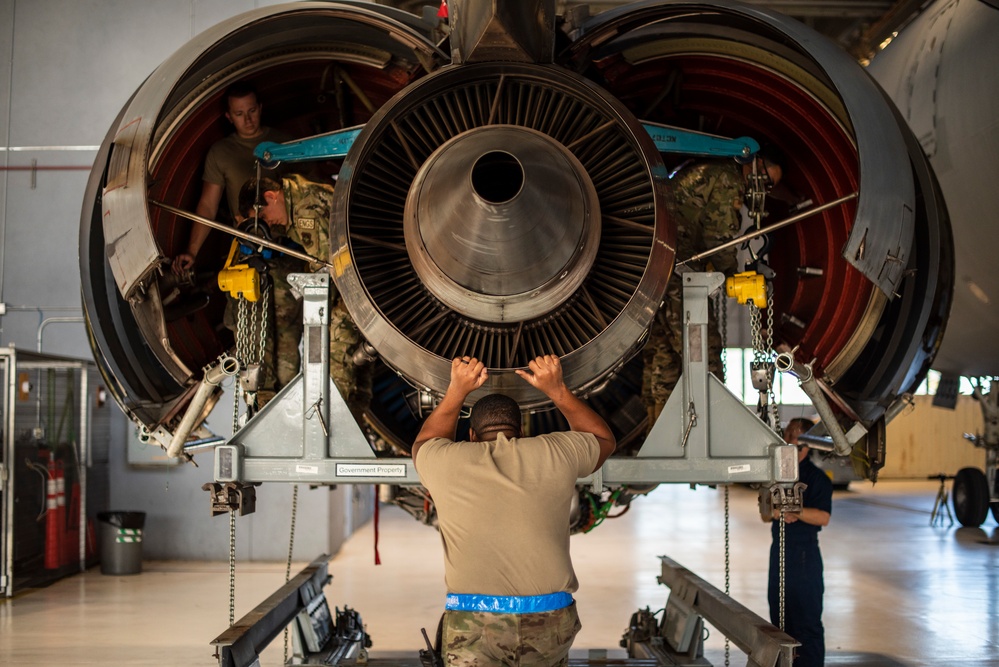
(67, 67)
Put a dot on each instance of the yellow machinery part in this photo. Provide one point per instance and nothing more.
(240, 279)
(747, 287)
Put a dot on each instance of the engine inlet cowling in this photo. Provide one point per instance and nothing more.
(503, 211)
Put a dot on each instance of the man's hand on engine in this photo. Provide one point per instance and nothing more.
(545, 375)
(467, 375)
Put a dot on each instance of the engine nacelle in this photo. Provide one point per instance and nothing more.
(503, 199)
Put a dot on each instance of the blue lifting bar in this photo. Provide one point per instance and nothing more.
(667, 140)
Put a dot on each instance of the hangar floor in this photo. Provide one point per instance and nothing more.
(900, 592)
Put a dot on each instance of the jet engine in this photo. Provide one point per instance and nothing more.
(503, 199)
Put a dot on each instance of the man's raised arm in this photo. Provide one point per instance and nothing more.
(467, 375)
(546, 375)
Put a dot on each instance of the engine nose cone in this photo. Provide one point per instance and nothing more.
(502, 223)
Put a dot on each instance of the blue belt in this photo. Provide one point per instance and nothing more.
(508, 604)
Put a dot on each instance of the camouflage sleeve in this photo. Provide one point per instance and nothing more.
(721, 221)
(311, 210)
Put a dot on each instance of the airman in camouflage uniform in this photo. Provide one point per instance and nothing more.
(476, 639)
(305, 208)
(708, 197)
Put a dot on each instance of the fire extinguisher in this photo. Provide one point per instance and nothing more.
(52, 547)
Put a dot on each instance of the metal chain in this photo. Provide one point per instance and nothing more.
(728, 571)
(252, 354)
(242, 348)
(763, 353)
(246, 318)
(264, 310)
(291, 546)
(246, 326)
(755, 328)
(723, 331)
(771, 396)
(782, 567)
(235, 407)
(241, 329)
(241, 306)
(232, 566)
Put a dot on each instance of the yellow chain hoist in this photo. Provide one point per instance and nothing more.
(748, 287)
(240, 279)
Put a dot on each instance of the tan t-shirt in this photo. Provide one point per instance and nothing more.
(503, 510)
(230, 163)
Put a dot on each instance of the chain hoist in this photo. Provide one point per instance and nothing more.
(753, 288)
(250, 354)
(252, 320)
(248, 284)
(762, 368)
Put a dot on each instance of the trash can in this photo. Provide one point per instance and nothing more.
(121, 542)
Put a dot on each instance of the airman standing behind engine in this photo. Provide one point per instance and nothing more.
(303, 208)
(709, 196)
(229, 163)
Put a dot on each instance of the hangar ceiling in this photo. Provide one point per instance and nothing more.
(859, 26)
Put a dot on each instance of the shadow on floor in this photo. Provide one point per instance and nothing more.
(859, 659)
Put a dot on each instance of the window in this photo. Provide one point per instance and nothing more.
(786, 388)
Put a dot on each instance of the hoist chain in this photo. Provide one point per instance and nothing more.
(771, 396)
(763, 363)
(246, 321)
(241, 329)
(265, 299)
(235, 408)
(242, 306)
(763, 357)
(291, 547)
(728, 577)
(756, 329)
(251, 340)
(722, 316)
(782, 569)
(232, 566)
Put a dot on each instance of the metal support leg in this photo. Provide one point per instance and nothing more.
(705, 433)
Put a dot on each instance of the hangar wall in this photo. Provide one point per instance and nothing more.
(928, 440)
(67, 67)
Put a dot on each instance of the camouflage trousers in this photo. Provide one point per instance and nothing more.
(662, 355)
(482, 639)
(353, 380)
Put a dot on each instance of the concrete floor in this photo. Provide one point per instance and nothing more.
(899, 592)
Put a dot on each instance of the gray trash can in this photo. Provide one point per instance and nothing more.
(121, 542)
